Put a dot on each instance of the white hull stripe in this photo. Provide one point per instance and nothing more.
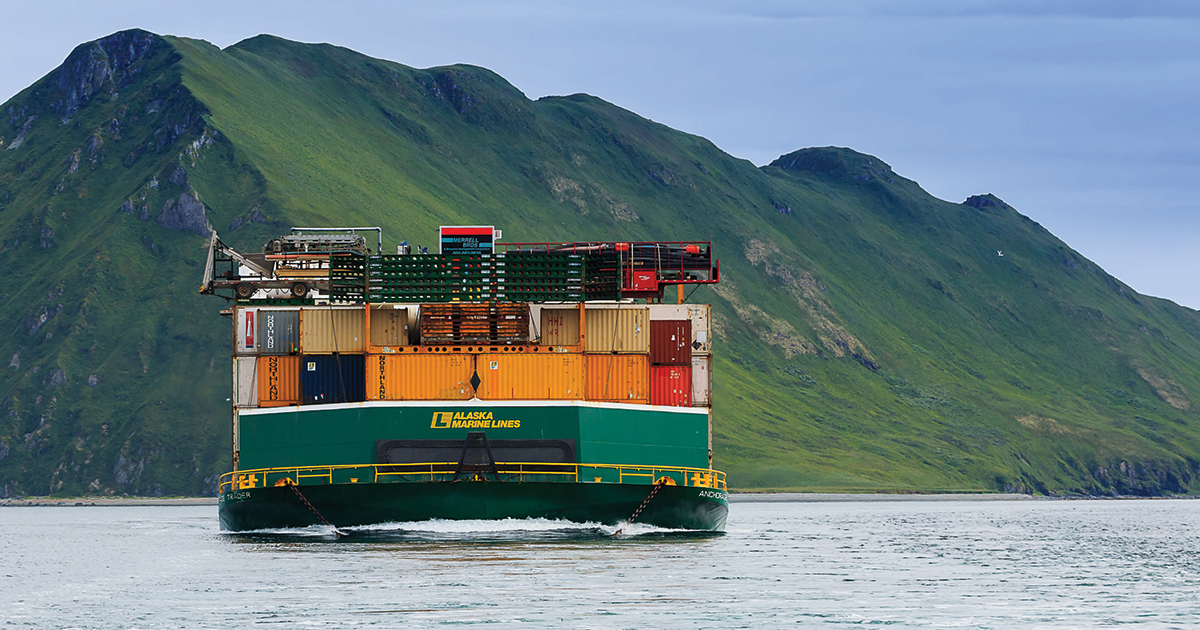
(474, 403)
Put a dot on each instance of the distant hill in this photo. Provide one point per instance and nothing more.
(871, 337)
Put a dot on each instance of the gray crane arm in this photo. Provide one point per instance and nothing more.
(214, 246)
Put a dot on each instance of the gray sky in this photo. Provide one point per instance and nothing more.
(1082, 114)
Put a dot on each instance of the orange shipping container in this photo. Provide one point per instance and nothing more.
(419, 376)
(325, 330)
(624, 330)
(278, 381)
(618, 377)
(526, 376)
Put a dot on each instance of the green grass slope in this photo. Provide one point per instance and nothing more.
(871, 337)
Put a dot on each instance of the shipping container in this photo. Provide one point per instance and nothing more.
(278, 331)
(325, 330)
(245, 330)
(671, 385)
(559, 326)
(278, 380)
(670, 342)
(530, 376)
(332, 378)
(698, 314)
(617, 378)
(389, 327)
(622, 330)
(701, 380)
(245, 382)
(419, 376)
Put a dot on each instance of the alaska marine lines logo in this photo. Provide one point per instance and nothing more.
(470, 420)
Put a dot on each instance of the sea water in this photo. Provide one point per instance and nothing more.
(911, 564)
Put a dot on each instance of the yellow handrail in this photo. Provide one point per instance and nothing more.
(434, 471)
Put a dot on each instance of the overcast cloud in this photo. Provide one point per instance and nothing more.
(1081, 114)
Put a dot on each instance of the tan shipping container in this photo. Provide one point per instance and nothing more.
(559, 326)
(526, 376)
(624, 330)
(419, 376)
(278, 380)
(325, 330)
(389, 327)
(618, 377)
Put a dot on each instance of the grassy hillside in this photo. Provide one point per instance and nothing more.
(871, 337)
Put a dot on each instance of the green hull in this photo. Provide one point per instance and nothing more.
(344, 505)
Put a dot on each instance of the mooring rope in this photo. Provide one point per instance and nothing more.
(304, 500)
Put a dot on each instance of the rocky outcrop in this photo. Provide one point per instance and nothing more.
(186, 214)
(102, 66)
(980, 202)
(20, 139)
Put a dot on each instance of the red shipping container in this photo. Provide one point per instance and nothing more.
(671, 385)
(671, 342)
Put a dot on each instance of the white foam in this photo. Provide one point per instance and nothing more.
(481, 528)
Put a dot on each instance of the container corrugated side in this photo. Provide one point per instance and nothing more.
(325, 330)
(278, 331)
(278, 381)
(559, 326)
(245, 330)
(671, 385)
(530, 376)
(623, 330)
(331, 378)
(701, 380)
(419, 376)
(245, 382)
(670, 342)
(617, 378)
(389, 327)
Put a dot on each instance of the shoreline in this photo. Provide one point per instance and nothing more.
(847, 497)
(106, 501)
(734, 497)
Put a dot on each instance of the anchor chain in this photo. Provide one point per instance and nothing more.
(657, 486)
(304, 500)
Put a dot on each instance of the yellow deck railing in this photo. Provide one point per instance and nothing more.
(444, 471)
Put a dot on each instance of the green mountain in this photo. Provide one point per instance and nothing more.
(871, 336)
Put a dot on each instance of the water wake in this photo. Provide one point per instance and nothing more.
(439, 530)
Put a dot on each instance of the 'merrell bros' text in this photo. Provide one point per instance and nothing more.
(470, 420)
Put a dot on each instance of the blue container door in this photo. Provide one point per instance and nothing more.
(332, 378)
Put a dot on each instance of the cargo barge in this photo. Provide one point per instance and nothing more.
(489, 380)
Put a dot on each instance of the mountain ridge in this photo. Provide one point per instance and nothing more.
(872, 337)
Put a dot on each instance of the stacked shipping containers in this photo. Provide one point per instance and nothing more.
(698, 338)
(333, 342)
(265, 370)
(290, 356)
(615, 341)
(671, 362)
(657, 354)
